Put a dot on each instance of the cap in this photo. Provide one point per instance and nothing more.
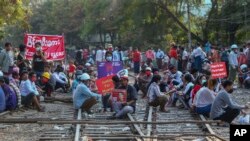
(148, 69)
(234, 46)
(87, 64)
(46, 75)
(85, 76)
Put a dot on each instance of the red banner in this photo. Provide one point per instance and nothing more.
(52, 46)
(105, 85)
(218, 70)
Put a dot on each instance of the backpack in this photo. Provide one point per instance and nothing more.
(11, 98)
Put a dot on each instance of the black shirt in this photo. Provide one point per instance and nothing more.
(21, 59)
(131, 94)
(38, 63)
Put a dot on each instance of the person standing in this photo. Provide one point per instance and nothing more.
(22, 63)
(173, 55)
(223, 108)
(99, 55)
(199, 55)
(39, 60)
(7, 59)
(150, 55)
(159, 58)
(116, 55)
(233, 62)
(136, 60)
(184, 58)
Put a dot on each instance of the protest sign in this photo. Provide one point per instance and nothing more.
(52, 46)
(108, 68)
(119, 95)
(105, 85)
(218, 70)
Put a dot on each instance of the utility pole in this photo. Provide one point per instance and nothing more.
(189, 26)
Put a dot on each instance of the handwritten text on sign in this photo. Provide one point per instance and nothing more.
(105, 85)
(218, 70)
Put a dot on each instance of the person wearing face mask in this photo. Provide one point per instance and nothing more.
(233, 62)
(109, 56)
(39, 60)
(84, 98)
(145, 80)
(204, 98)
(223, 107)
(155, 96)
(7, 59)
(200, 81)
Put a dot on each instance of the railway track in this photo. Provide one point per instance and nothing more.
(131, 128)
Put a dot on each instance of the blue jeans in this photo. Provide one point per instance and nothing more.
(121, 110)
(204, 110)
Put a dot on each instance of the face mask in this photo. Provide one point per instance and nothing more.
(203, 81)
(38, 49)
(148, 73)
(231, 91)
(109, 58)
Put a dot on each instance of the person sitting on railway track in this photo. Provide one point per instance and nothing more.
(83, 97)
(184, 96)
(200, 81)
(144, 81)
(60, 82)
(29, 92)
(45, 85)
(223, 108)
(204, 98)
(76, 81)
(175, 76)
(106, 99)
(122, 109)
(155, 96)
(2, 94)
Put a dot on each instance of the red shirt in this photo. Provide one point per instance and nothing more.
(173, 53)
(136, 56)
(195, 90)
(72, 68)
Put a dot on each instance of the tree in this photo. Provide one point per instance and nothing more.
(12, 12)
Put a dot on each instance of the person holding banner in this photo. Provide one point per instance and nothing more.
(122, 108)
(7, 59)
(39, 60)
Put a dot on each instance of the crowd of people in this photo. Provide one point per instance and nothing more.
(165, 78)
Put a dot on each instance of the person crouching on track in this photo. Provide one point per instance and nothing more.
(223, 108)
(155, 97)
(83, 97)
(29, 91)
(47, 87)
(122, 109)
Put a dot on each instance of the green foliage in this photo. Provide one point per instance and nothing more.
(13, 12)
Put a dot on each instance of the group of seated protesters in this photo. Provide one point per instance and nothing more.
(195, 91)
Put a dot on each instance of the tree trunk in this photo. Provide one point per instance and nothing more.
(163, 6)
